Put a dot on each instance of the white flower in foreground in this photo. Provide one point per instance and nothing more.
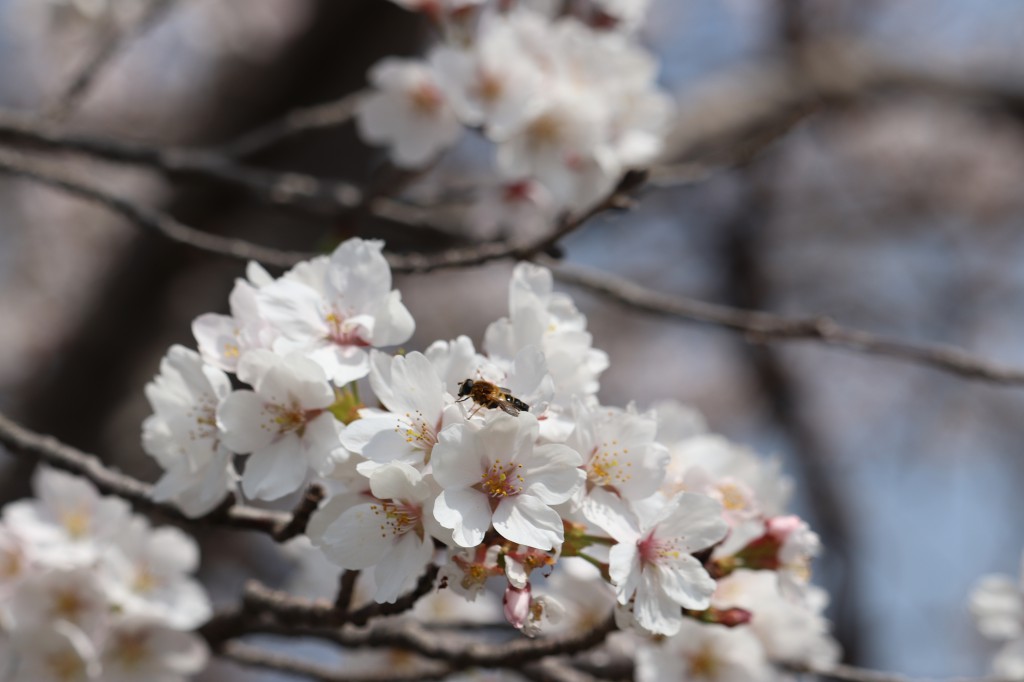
(59, 652)
(224, 339)
(495, 474)
(997, 604)
(415, 397)
(390, 532)
(332, 309)
(540, 316)
(653, 565)
(618, 449)
(138, 649)
(408, 112)
(284, 423)
(182, 434)
(702, 652)
(70, 522)
(150, 576)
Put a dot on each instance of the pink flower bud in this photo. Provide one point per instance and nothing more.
(781, 527)
(517, 605)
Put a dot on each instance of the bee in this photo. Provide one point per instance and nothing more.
(486, 394)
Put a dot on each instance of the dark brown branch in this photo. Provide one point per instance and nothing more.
(251, 656)
(309, 503)
(20, 441)
(295, 122)
(14, 163)
(112, 42)
(286, 608)
(346, 589)
(761, 327)
(320, 196)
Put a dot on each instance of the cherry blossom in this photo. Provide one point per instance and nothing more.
(223, 339)
(284, 423)
(704, 653)
(150, 576)
(653, 563)
(139, 649)
(70, 522)
(59, 652)
(408, 112)
(183, 436)
(417, 404)
(495, 474)
(618, 449)
(393, 529)
(332, 309)
(791, 632)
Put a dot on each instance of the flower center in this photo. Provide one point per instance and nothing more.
(604, 469)
(653, 550)
(418, 433)
(344, 331)
(76, 522)
(426, 99)
(489, 87)
(204, 415)
(703, 663)
(131, 649)
(291, 417)
(66, 666)
(545, 130)
(145, 581)
(396, 519)
(501, 480)
(68, 605)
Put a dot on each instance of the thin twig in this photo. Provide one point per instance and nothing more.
(23, 442)
(295, 122)
(761, 327)
(255, 657)
(112, 41)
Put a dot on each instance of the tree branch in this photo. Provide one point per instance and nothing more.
(295, 122)
(762, 327)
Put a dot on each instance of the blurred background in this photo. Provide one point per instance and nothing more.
(892, 202)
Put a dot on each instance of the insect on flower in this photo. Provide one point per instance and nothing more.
(486, 394)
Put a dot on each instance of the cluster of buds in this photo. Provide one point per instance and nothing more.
(89, 591)
(499, 464)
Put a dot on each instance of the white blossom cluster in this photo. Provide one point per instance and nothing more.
(997, 604)
(680, 528)
(89, 591)
(569, 102)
